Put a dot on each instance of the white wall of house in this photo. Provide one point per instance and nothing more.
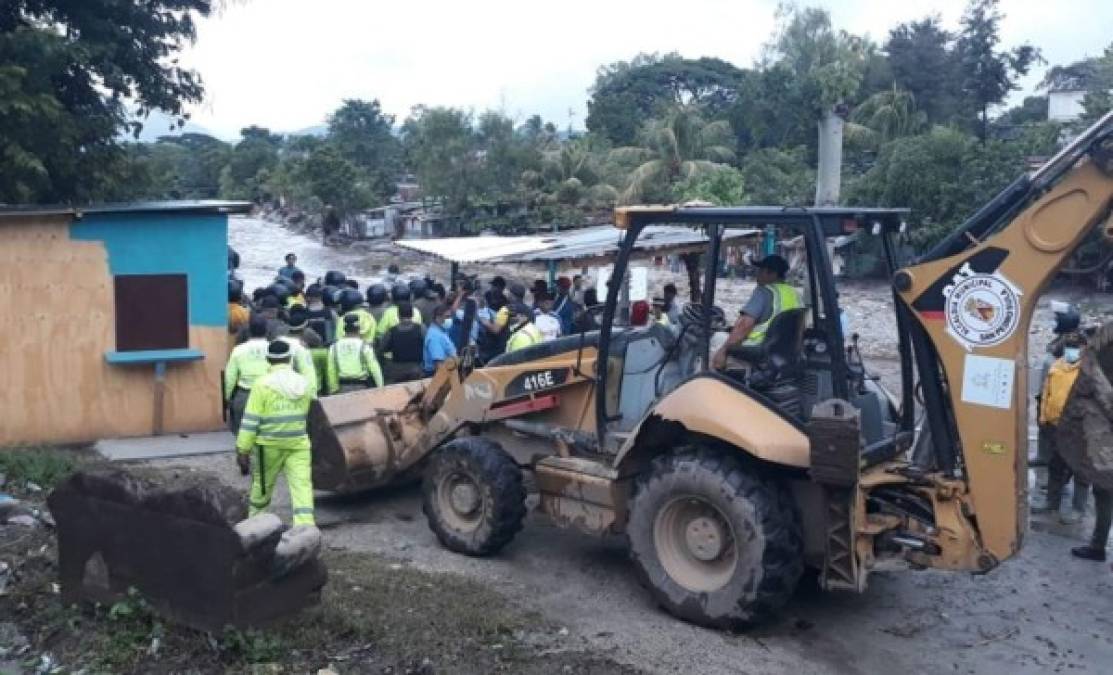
(1064, 106)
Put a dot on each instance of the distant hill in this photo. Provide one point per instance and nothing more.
(159, 124)
(315, 130)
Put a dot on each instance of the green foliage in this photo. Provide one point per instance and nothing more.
(45, 467)
(924, 64)
(250, 164)
(1033, 110)
(628, 94)
(680, 146)
(364, 135)
(887, 115)
(253, 645)
(66, 70)
(335, 181)
(988, 74)
(774, 176)
(721, 187)
(826, 66)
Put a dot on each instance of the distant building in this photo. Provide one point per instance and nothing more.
(116, 320)
(1065, 104)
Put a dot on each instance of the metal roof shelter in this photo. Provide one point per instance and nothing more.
(194, 206)
(591, 245)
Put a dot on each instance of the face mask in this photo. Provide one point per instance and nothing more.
(1072, 354)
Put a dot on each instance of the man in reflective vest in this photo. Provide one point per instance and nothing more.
(351, 361)
(246, 364)
(771, 297)
(273, 436)
(300, 338)
(522, 331)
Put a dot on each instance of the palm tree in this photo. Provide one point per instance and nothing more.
(886, 115)
(679, 146)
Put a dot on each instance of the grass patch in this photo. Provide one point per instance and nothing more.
(43, 466)
(374, 616)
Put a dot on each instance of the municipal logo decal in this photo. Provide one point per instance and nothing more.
(981, 310)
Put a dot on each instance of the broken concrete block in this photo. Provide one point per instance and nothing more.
(257, 529)
(177, 545)
(297, 546)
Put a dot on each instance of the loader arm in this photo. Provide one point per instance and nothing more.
(973, 299)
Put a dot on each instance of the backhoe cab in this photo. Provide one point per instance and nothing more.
(728, 484)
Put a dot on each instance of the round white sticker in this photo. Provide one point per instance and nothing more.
(982, 310)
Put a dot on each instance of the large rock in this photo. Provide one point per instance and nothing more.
(1085, 434)
(178, 546)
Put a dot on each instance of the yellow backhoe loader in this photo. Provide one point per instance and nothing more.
(727, 485)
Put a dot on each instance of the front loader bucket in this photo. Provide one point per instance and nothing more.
(362, 439)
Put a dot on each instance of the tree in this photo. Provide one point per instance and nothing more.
(721, 187)
(364, 135)
(923, 63)
(887, 115)
(773, 176)
(249, 165)
(441, 149)
(66, 70)
(680, 146)
(335, 181)
(988, 74)
(628, 94)
(1033, 110)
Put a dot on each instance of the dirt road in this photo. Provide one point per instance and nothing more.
(1041, 612)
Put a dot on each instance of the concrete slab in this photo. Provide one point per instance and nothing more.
(165, 447)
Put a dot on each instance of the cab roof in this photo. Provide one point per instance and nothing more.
(836, 220)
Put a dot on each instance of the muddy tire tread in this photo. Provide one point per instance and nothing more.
(501, 483)
(782, 560)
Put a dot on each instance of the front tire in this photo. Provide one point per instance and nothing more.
(473, 497)
(716, 544)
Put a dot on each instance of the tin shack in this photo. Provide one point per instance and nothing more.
(115, 320)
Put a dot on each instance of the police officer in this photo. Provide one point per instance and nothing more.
(273, 436)
(771, 297)
(351, 304)
(522, 331)
(246, 364)
(300, 338)
(351, 361)
(400, 292)
(376, 301)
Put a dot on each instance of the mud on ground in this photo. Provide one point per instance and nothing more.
(376, 615)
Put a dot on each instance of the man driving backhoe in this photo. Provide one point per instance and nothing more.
(771, 297)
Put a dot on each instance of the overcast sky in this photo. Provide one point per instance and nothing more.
(285, 64)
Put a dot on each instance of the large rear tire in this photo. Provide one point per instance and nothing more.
(473, 496)
(716, 544)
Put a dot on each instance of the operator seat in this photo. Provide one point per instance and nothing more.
(779, 353)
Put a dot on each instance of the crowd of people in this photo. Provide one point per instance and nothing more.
(343, 337)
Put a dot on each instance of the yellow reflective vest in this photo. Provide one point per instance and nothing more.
(390, 319)
(302, 360)
(352, 359)
(1056, 388)
(784, 297)
(246, 364)
(526, 336)
(367, 327)
(276, 412)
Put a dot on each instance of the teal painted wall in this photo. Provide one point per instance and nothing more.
(168, 243)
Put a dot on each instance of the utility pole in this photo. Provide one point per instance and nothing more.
(829, 172)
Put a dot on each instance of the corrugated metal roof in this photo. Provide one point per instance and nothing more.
(588, 243)
(179, 206)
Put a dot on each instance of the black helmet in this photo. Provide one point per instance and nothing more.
(1067, 322)
(329, 295)
(376, 294)
(334, 278)
(418, 288)
(350, 298)
(400, 292)
(517, 290)
(280, 291)
(235, 290)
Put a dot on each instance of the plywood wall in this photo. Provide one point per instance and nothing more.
(57, 315)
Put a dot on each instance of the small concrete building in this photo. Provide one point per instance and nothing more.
(115, 320)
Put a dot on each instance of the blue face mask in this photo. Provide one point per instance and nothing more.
(1072, 354)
